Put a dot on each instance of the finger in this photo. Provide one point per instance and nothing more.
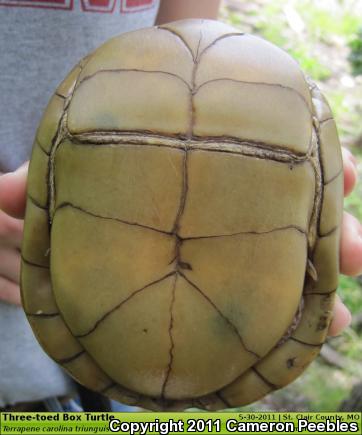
(341, 318)
(350, 171)
(10, 264)
(9, 292)
(13, 191)
(351, 246)
(11, 231)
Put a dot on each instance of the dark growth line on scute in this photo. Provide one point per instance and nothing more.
(36, 203)
(100, 320)
(334, 177)
(232, 326)
(169, 367)
(117, 70)
(30, 263)
(71, 358)
(288, 227)
(43, 315)
(68, 204)
(305, 343)
(264, 379)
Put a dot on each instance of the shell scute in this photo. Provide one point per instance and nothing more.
(49, 125)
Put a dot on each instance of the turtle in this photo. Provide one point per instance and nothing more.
(184, 203)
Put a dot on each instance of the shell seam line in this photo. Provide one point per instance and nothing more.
(287, 227)
(125, 137)
(322, 178)
(246, 82)
(223, 399)
(334, 177)
(326, 120)
(328, 233)
(73, 206)
(30, 263)
(215, 41)
(41, 147)
(56, 141)
(244, 150)
(264, 379)
(172, 344)
(193, 88)
(192, 92)
(293, 325)
(42, 315)
(109, 312)
(305, 343)
(136, 70)
(220, 38)
(60, 95)
(36, 203)
(178, 36)
(233, 327)
(71, 358)
(312, 225)
(184, 190)
(328, 293)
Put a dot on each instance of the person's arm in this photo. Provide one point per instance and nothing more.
(173, 10)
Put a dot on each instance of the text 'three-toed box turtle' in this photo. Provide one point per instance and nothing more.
(182, 225)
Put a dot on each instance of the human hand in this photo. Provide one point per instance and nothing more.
(351, 245)
(12, 209)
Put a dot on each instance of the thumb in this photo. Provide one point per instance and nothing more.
(13, 191)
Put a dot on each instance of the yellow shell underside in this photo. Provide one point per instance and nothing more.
(166, 244)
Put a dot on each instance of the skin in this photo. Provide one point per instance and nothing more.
(173, 10)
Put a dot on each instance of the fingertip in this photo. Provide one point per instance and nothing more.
(341, 318)
(13, 191)
(350, 171)
(351, 246)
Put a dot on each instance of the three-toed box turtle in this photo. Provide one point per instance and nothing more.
(182, 223)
